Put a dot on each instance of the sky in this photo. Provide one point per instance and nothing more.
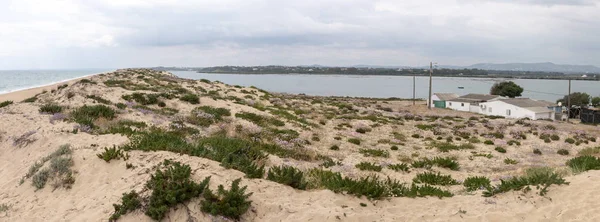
(71, 34)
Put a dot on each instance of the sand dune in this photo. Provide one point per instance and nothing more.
(99, 184)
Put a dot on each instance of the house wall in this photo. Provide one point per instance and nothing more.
(434, 98)
(499, 108)
(460, 106)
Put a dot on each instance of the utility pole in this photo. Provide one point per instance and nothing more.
(414, 77)
(569, 102)
(430, 76)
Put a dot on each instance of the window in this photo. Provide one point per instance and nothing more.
(450, 103)
(508, 112)
(490, 109)
(462, 104)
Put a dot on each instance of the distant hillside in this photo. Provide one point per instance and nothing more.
(543, 67)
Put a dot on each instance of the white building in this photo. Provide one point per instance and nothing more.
(439, 99)
(519, 108)
(470, 102)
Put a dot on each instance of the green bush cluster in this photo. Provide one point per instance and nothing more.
(540, 179)
(112, 154)
(99, 99)
(584, 163)
(259, 120)
(129, 202)
(59, 170)
(447, 147)
(435, 179)
(476, 182)
(86, 115)
(50, 108)
(232, 203)
(444, 162)
(563, 152)
(5, 103)
(399, 167)
(500, 149)
(367, 166)
(374, 152)
(190, 98)
(510, 161)
(370, 187)
(287, 175)
(354, 141)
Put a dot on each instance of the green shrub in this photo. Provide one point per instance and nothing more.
(337, 138)
(170, 187)
(584, 163)
(334, 147)
(287, 175)
(99, 99)
(513, 142)
(537, 151)
(541, 180)
(366, 166)
(5, 103)
(59, 170)
(399, 167)
(129, 202)
(121, 105)
(435, 179)
(569, 140)
(555, 137)
(444, 162)
(446, 146)
(510, 161)
(30, 99)
(51, 108)
(354, 141)
(232, 203)
(488, 142)
(590, 151)
(563, 152)
(416, 136)
(218, 113)
(86, 115)
(259, 120)
(394, 147)
(40, 178)
(374, 153)
(190, 98)
(500, 149)
(112, 153)
(475, 183)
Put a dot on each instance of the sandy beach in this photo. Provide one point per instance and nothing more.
(153, 116)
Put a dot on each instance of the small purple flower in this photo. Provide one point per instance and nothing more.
(130, 104)
(57, 117)
(145, 111)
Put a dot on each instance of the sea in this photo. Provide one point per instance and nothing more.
(327, 85)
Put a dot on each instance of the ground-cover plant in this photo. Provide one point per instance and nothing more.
(446, 146)
(510, 161)
(30, 99)
(537, 151)
(232, 203)
(584, 163)
(475, 183)
(190, 98)
(334, 147)
(124, 127)
(354, 141)
(50, 109)
(113, 153)
(399, 167)
(590, 151)
(129, 202)
(86, 115)
(488, 142)
(5, 103)
(99, 99)
(374, 152)
(59, 170)
(25, 139)
(435, 179)
(171, 186)
(367, 166)
(569, 140)
(540, 179)
(444, 162)
(264, 121)
(287, 175)
(500, 149)
(563, 152)
(206, 115)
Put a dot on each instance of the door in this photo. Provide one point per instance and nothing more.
(439, 104)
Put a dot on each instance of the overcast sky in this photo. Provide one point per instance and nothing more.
(139, 33)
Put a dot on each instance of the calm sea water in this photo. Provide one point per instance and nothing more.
(13, 80)
(392, 86)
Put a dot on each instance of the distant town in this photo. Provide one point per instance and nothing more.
(449, 72)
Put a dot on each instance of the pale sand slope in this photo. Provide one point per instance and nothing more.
(99, 184)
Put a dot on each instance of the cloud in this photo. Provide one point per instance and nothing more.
(330, 32)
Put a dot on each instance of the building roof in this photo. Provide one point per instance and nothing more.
(446, 96)
(479, 97)
(539, 109)
(463, 100)
(526, 102)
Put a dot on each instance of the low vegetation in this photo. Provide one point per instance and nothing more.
(541, 179)
(476, 183)
(435, 179)
(287, 175)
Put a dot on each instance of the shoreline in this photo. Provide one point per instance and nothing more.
(447, 76)
(20, 94)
